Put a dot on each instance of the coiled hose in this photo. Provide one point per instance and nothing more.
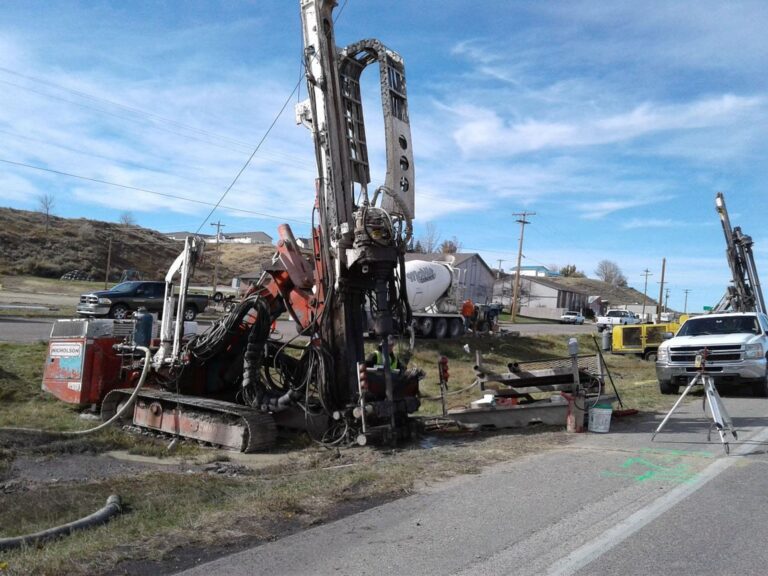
(118, 414)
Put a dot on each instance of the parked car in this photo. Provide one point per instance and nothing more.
(616, 318)
(736, 343)
(121, 300)
(572, 317)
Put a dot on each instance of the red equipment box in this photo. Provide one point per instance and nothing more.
(81, 367)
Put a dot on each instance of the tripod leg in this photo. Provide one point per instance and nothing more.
(679, 400)
(720, 416)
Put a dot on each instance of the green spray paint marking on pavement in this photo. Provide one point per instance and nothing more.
(659, 464)
(672, 452)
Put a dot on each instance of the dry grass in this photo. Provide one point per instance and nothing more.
(38, 285)
(634, 378)
(167, 512)
(80, 244)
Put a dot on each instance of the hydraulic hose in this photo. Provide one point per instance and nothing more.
(102, 516)
(118, 414)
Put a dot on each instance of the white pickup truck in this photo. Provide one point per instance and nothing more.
(736, 343)
(616, 318)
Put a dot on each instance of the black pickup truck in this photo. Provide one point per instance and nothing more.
(124, 298)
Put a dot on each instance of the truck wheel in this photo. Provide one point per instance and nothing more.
(426, 326)
(441, 328)
(650, 356)
(119, 312)
(455, 328)
(190, 313)
(666, 387)
(218, 297)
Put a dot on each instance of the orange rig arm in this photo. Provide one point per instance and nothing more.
(288, 282)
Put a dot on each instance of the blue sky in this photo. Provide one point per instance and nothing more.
(615, 122)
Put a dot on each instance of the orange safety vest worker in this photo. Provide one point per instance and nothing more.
(467, 309)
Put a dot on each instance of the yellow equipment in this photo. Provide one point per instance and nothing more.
(640, 339)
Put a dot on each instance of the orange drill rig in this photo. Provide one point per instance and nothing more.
(233, 385)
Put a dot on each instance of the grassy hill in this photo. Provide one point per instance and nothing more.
(80, 244)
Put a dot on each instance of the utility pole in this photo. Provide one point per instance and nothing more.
(522, 221)
(645, 273)
(685, 306)
(109, 262)
(666, 301)
(661, 290)
(219, 226)
(498, 272)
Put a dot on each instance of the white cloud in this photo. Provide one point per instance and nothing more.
(484, 132)
(670, 223)
(603, 208)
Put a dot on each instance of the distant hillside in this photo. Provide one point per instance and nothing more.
(80, 244)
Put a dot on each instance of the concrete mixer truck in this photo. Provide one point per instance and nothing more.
(435, 292)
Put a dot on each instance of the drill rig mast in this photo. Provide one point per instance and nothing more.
(745, 293)
(359, 246)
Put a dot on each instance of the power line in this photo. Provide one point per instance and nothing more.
(154, 118)
(243, 146)
(164, 194)
(117, 161)
(266, 134)
(247, 162)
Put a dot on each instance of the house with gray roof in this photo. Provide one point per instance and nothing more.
(549, 297)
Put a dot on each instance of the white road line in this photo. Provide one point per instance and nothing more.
(614, 536)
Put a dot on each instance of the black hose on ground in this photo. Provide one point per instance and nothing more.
(102, 516)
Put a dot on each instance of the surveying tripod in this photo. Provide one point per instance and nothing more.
(720, 418)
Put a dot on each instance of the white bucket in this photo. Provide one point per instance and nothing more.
(600, 419)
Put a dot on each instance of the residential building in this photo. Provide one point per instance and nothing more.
(226, 238)
(549, 297)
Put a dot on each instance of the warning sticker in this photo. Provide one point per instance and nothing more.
(74, 386)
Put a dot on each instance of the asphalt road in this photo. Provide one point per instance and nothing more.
(36, 329)
(607, 504)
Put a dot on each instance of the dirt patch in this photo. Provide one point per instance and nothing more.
(75, 467)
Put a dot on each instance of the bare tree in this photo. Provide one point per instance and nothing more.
(430, 239)
(610, 272)
(127, 219)
(46, 203)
